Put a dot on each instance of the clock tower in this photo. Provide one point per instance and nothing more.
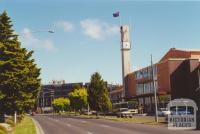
(125, 50)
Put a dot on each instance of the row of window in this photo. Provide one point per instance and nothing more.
(146, 72)
(146, 88)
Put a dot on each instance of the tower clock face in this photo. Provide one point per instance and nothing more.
(126, 45)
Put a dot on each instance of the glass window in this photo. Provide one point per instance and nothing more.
(147, 100)
(149, 72)
(139, 89)
(190, 110)
(173, 110)
(181, 110)
(145, 73)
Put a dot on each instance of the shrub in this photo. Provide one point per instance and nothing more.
(20, 117)
(2, 130)
(10, 122)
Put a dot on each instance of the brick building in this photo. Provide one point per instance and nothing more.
(175, 76)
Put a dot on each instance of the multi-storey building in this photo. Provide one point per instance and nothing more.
(174, 76)
(49, 92)
(52, 91)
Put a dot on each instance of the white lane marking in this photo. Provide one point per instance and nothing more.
(89, 132)
(104, 125)
(69, 125)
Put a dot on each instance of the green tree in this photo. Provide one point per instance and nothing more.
(19, 75)
(7, 35)
(75, 86)
(98, 94)
(133, 103)
(61, 104)
(163, 100)
(78, 99)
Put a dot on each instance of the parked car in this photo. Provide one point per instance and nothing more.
(86, 112)
(163, 112)
(133, 111)
(124, 112)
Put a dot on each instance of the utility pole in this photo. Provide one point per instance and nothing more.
(88, 110)
(154, 88)
(198, 101)
(52, 97)
(43, 100)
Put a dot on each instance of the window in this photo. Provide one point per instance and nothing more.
(139, 89)
(145, 73)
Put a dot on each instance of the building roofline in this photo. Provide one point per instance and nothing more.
(187, 50)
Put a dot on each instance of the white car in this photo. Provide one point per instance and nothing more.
(163, 112)
(124, 112)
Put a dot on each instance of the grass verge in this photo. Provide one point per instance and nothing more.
(2, 132)
(149, 120)
(136, 119)
(26, 126)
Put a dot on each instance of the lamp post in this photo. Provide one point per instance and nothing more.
(39, 31)
(43, 97)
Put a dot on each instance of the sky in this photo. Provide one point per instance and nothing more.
(86, 37)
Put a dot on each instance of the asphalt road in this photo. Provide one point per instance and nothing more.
(74, 125)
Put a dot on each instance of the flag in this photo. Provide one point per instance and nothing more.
(116, 14)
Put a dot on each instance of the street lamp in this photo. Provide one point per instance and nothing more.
(38, 31)
(50, 31)
(43, 97)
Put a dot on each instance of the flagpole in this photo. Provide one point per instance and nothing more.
(120, 21)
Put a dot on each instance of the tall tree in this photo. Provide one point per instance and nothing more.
(7, 35)
(19, 75)
(98, 94)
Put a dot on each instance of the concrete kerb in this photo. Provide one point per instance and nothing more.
(38, 128)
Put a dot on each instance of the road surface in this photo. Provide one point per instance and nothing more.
(74, 125)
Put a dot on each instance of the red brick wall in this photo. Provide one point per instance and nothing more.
(163, 77)
(165, 69)
(131, 85)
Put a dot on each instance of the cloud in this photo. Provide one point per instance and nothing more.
(97, 29)
(29, 40)
(65, 25)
